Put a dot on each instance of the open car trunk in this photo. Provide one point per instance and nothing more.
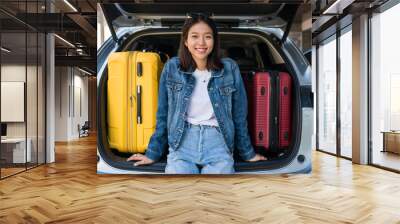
(172, 13)
(253, 34)
(252, 50)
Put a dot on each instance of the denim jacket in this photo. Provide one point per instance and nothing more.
(228, 98)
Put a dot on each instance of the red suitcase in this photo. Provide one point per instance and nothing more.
(259, 94)
(269, 104)
(285, 109)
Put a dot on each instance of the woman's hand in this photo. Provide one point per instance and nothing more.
(142, 159)
(256, 158)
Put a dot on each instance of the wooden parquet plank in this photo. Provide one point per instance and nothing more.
(70, 191)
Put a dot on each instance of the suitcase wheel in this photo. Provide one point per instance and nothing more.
(260, 136)
(285, 90)
(262, 91)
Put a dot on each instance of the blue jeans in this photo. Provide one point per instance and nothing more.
(203, 150)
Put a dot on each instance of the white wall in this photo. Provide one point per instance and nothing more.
(61, 103)
(33, 126)
(16, 73)
(13, 72)
(71, 94)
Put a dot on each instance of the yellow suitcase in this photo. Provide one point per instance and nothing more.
(132, 94)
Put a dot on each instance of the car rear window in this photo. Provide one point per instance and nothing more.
(249, 51)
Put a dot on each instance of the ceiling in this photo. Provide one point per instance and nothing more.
(74, 22)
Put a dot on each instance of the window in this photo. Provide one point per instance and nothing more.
(346, 93)
(385, 88)
(327, 96)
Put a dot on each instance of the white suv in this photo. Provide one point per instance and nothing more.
(255, 35)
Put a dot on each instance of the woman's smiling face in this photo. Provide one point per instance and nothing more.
(200, 41)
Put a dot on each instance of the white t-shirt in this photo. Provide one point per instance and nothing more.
(200, 110)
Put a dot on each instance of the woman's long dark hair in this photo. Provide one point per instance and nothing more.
(186, 59)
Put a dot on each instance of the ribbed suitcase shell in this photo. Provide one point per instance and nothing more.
(259, 94)
(261, 88)
(285, 109)
(126, 89)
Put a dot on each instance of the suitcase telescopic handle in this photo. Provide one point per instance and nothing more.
(139, 69)
(139, 104)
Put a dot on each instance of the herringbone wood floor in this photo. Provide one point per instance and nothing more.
(70, 191)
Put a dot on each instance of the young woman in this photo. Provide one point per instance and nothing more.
(202, 107)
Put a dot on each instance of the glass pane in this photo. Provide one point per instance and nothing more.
(327, 97)
(386, 89)
(13, 87)
(23, 82)
(32, 88)
(31, 97)
(346, 93)
(41, 99)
